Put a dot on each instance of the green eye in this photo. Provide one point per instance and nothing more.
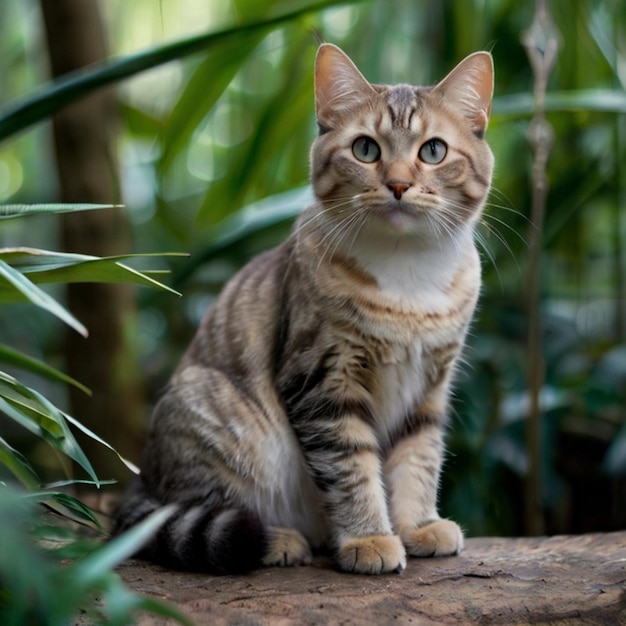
(366, 149)
(433, 151)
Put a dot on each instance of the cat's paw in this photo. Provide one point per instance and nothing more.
(286, 547)
(375, 554)
(439, 538)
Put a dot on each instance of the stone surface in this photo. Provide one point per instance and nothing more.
(556, 580)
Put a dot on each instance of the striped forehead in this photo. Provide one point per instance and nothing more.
(402, 104)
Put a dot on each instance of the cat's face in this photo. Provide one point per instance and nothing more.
(400, 159)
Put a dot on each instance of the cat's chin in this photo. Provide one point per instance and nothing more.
(402, 218)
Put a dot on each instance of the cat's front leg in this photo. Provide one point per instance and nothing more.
(342, 454)
(412, 473)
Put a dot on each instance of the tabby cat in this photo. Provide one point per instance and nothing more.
(309, 410)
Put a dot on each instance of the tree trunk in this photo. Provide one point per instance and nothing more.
(87, 168)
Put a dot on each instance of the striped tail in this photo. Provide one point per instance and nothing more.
(196, 538)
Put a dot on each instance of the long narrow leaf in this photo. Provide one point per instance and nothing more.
(257, 216)
(35, 407)
(20, 360)
(263, 214)
(74, 422)
(11, 211)
(119, 603)
(37, 414)
(15, 283)
(200, 94)
(73, 86)
(88, 570)
(44, 266)
(74, 506)
(18, 465)
(599, 100)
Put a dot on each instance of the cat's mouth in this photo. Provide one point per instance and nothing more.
(401, 216)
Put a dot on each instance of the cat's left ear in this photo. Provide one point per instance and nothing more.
(338, 84)
(469, 87)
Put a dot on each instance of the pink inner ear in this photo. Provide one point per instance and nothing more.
(469, 87)
(338, 83)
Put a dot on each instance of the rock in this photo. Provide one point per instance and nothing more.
(564, 580)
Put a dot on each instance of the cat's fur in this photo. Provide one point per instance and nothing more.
(310, 407)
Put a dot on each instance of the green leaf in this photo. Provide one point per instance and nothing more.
(18, 359)
(200, 94)
(12, 211)
(37, 414)
(72, 482)
(43, 266)
(74, 422)
(249, 162)
(87, 571)
(18, 465)
(598, 100)
(35, 407)
(120, 604)
(17, 287)
(247, 221)
(77, 84)
(74, 506)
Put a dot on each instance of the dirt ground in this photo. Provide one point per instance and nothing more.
(558, 580)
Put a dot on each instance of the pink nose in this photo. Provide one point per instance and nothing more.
(398, 188)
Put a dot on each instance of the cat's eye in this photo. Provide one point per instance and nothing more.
(433, 151)
(366, 149)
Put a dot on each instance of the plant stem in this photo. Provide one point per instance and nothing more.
(541, 43)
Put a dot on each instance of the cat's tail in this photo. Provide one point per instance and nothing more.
(196, 538)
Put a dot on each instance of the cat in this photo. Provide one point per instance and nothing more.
(310, 408)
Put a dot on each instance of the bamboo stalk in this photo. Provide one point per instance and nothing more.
(541, 41)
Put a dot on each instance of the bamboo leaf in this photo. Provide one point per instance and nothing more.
(20, 360)
(11, 211)
(77, 84)
(598, 100)
(74, 422)
(36, 408)
(17, 287)
(18, 465)
(247, 221)
(200, 94)
(268, 138)
(37, 414)
(87, 571)
(119, 603)
(43, 266)
(74, 506)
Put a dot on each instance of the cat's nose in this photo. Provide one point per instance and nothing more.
(398, 188)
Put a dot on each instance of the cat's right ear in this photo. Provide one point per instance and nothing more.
(339, 85)
(469, 86)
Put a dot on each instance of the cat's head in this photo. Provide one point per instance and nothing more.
(402, 159)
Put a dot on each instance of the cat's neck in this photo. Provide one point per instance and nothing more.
(422, 267)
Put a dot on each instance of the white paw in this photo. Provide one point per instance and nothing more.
(375, 554)
(286, 547)
(440, 538)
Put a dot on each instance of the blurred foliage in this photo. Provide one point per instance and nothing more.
(214, 162)
(58, 580)
(33, 588)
